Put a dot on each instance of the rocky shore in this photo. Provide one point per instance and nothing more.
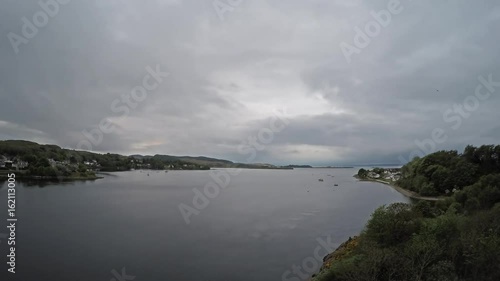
(341, 252)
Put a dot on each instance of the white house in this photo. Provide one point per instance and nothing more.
(22, 164)
(373, 175)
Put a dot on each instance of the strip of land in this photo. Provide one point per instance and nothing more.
(403, 191)
(25, 176)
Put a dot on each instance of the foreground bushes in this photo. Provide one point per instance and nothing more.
(453, 239)
(451, 246)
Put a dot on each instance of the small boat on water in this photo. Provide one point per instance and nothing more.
(320, 180)
(335, 185)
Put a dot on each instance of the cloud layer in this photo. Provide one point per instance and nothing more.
(228, 77)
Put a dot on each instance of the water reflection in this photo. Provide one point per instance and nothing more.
(41, 183)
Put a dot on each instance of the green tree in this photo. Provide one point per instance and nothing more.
(393, 224)
(362, 173)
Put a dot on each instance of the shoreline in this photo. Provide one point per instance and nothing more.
(347, 246)
(339, 253)
(54, 178)
(22, 176)
(405, 192)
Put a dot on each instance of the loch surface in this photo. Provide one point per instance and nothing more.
(256, 228)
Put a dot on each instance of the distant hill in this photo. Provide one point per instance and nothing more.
(200, 160)
(210, 162)
(138, 156)
(299, 166)
(33, 152)
(53, 161)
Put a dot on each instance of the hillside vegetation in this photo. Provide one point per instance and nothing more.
(54, 161)
(443, 172)
(454, 239)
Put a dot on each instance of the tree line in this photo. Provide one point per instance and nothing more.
(445, 172)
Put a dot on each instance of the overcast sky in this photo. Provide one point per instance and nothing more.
(228, 77)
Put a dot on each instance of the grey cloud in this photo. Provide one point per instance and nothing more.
(227, 76)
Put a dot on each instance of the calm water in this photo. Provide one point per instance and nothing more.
(258, 227)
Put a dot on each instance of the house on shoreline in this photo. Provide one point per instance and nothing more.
(385, 174)
(15, 163)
